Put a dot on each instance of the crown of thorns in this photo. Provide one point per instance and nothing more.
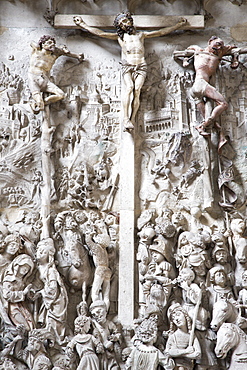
(121, 16)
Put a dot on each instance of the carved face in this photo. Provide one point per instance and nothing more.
(109, 220)
(125, 23)
(33, 345)
(12, 248)
(49, 45)
(220, 278)
(221, 256)
(178, 318)
(157, 257)
(244, 279)
(42, 254)
(99, 314)
(216, 46)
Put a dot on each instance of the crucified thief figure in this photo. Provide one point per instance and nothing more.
(134, 67)
(206, 62)
(44, 54)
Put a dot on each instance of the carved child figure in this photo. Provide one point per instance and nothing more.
(85, 344)
(44, 54)
(134, 64)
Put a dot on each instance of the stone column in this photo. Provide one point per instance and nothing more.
(126, 301)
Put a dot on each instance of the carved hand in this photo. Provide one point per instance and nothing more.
(182, 21)
(80, 57)
(27, 289)
(78, 20)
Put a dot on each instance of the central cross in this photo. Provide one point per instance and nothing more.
(134, 73)
(143, 22)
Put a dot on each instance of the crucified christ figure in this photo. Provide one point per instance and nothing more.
(134, 67)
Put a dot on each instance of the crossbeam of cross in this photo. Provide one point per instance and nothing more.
(140, 21)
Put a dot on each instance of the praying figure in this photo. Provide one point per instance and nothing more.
(134, 66)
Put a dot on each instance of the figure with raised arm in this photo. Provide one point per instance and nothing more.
(206, 62)
(134, 67)
(44, 54)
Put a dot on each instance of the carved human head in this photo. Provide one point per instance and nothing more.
(82, 324)
(238, 226)
(98, 311)
(178, 316)
(218, 276)
(45, 250)
(220, 253)
(187, 274)
(12, 244)
(42, 363)
(159, 247)
(215, 44)
(146, 332)
(244, 279)
(22, 265)
(47, 41)
(124, 23)
(178, 219)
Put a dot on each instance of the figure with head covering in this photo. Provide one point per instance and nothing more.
(16, 291)
(34, 355)
(107, 333)
(182, 345)
(145, 352)
(219, 287)
(53, 311)
(191, 293)
(158, 279)
(10, 247)
(221, 257)
(134, 67)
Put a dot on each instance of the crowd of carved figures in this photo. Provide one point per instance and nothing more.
(59, 292)
(192, 293)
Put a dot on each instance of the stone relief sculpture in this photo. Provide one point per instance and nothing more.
(134, 66)
(206, 62)
(44, 55)
(60, 252)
